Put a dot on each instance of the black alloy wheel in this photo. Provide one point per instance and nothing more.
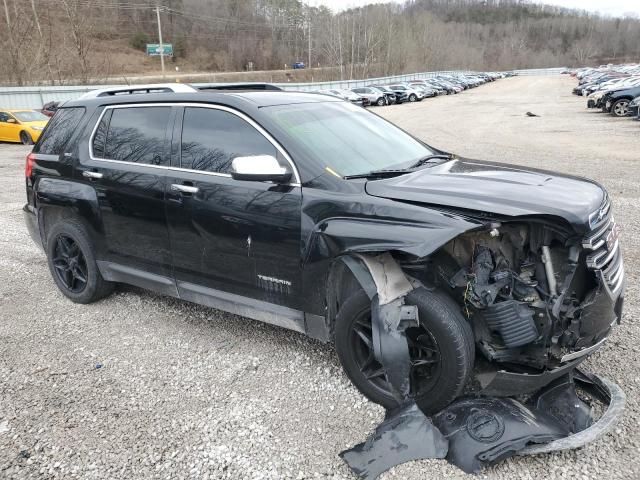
(423, 352)
(70, 264)
(441, 350)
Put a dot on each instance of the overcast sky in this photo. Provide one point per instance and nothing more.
(606, 7)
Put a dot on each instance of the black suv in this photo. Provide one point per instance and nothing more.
(313, 214)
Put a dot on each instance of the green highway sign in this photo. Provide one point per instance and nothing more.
(153, 49)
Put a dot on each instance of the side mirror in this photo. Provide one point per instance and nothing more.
(259, 168)
(11, 120)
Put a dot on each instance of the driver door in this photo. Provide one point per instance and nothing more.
(239, 237)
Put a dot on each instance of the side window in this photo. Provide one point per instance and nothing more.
(59, 130)
(211, 139)
(135, 134)
(358, 90)
(100, 137)
(4, 117)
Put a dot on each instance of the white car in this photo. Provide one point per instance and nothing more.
(413, 95)
(375, 97)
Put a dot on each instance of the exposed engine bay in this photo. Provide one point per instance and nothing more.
(524, 287)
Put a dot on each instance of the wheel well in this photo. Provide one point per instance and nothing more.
(342, 283)
(50, 215)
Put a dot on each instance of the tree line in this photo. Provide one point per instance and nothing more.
(67, 41)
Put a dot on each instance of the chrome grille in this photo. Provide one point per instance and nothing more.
(604, 255)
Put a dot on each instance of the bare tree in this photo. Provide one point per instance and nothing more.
(81, 30)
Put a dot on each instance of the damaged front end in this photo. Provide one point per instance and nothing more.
(539, 298)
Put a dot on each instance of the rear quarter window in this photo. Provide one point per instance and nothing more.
(59, 130)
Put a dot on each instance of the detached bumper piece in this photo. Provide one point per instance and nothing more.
(405, 435)
(473, 433)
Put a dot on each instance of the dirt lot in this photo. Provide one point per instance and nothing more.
(139, 386)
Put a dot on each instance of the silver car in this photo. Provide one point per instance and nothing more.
(375, 97)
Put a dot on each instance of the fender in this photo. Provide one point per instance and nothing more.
(55, 196)
(333, 238)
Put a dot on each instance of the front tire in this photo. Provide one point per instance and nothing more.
(413, 97)
(25, 138)
(381, 102)
(620, 108)
(441, 349)
(72, 263)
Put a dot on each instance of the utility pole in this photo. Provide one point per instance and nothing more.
(309, 34)
(160, 39)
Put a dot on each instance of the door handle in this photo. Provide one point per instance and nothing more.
(176, 187)
(90, 174)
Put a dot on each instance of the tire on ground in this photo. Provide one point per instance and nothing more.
(617, 103)
(96, 287)
(25, 138)
(442, 317)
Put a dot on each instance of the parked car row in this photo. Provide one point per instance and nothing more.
(414, 90)
(614, 89)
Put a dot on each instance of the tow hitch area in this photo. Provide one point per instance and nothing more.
(475, 430)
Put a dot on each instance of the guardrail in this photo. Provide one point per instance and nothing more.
(36, 96)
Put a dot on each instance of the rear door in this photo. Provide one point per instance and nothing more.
(127, 165)
(240, 237)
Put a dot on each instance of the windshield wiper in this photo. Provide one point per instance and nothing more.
(429, 158)
(390, 172)
(384, 173)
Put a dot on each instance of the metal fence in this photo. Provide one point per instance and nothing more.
(37, 96)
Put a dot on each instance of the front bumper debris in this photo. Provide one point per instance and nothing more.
(506, 384)
(478, 431)
(608, 393)
(405, 435)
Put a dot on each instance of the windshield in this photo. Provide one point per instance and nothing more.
(30, 116)
(347, 139)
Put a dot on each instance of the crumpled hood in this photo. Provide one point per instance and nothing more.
(496, 188)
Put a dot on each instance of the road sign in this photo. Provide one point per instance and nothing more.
(153, 49)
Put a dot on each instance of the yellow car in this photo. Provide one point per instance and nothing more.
(23, 126)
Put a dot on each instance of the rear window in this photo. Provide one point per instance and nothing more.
(59, 130)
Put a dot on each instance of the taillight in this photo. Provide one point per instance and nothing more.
(28, 167)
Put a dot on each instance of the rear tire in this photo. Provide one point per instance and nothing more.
(443, 332)
(25, 138)
(381, 102)
(72, 263)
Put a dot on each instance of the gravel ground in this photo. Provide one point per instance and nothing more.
(140, 386)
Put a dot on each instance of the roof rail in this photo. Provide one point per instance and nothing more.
(237, 86)
(138, 89)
